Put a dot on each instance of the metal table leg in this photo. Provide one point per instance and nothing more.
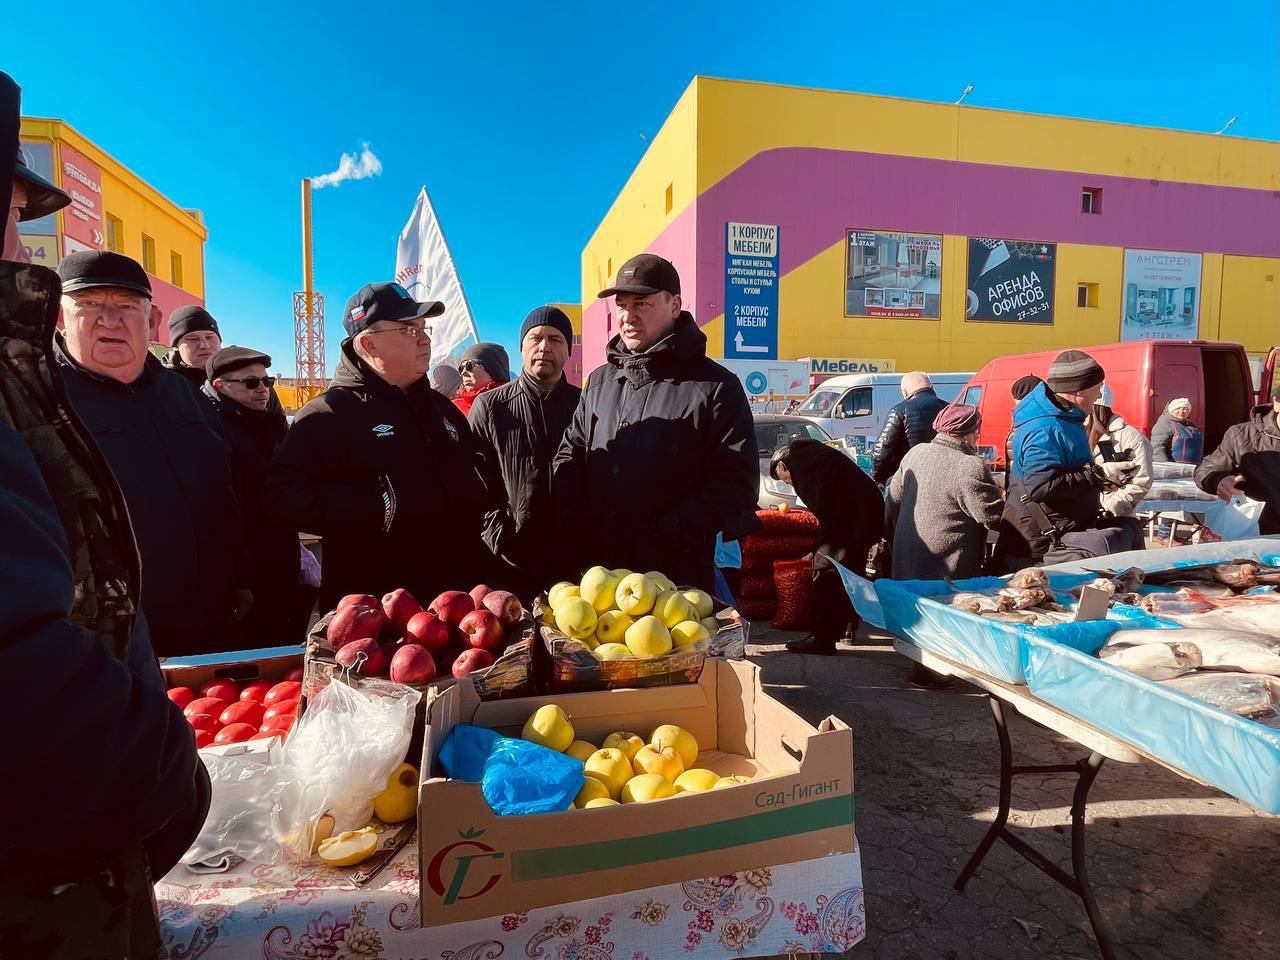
(1077, 881)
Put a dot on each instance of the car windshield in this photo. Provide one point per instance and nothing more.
(820, 404)
(779, 433)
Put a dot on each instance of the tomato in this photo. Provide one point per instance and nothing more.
(268, 734)
(204, 738)
(210, 705)
(222, 688)
(285, 708)
(181, 696)
(235, 733)
(242, 711)
(204, 721)
(294, 674)
(256, 690)
(284, 690)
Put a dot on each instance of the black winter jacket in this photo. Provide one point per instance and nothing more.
(909, 422)
(1252, 450)
(193, 375)
(391, 479)
(847, 502)
(661, 455)
(166, 449)
(519, 429)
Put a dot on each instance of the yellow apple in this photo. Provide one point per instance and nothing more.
(348, 848)
(672, 608)
(624, 740)
(613, 651)
(601, 802)
(398, 800)
(661, 581)
(576, 618)
(305, 839)
(598, 588)
(711, 625)
(580, 750)
(548, 616)
(550, 727)
(592, 789)
(635, 595)
(611, 626)
(697, 780)
(647, 637)
(677, 738)
(621, 573)
(701, 602)
(611, 767)
(688, 632)
(646, 787)
(664, 761)
(730, 781)
(589, 642)
(556, 592)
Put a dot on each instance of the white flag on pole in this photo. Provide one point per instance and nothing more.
(425, 268)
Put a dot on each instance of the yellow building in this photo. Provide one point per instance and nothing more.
(112, 208)
(860, 229)
(573, 369)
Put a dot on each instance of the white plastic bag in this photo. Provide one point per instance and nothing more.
(337, 759)
(243, 786)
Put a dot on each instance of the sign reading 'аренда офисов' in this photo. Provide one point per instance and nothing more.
(751, 258)
(1010, 281)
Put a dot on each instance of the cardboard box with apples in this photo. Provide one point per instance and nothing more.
(236, 696)
(798, 805)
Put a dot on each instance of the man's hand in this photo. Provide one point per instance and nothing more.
(1117, 471)
(1228, 487)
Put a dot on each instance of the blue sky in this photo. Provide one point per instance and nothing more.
(524, 121)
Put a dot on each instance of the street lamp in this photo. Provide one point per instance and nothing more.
(1227, 125)
(967, 90)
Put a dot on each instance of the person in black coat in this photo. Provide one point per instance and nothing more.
(193, 338)
(908, 423)
(661, 454)
(384, 468)
(850, 512)
(165, 447)
(240, 390)
(519, 426)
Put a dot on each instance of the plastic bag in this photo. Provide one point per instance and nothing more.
(793, 580)
(338, 758)
(517, 777)
(243, 781)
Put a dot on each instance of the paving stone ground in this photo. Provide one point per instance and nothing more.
(1180, 870)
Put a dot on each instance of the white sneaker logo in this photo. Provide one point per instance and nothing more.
(384, 430)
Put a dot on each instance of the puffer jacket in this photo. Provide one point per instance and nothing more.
(1176, 441)
(909, 423)
(1128, 476)
(660, 456)
(1252, 450)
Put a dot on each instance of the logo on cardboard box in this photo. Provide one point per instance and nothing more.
(449, 873)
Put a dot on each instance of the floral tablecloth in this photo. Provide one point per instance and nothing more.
(280, 913)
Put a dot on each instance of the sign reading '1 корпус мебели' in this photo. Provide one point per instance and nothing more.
(751, 256)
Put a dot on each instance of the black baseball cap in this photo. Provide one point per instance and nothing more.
(43, 197)
(385, 301)
(644, 274)
(102, 268)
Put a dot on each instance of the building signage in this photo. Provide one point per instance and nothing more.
(835, 366)
(1010, 281)
(42, 249)
(82, 180)
(1161, 295)
(893, 275)
(38, 156)
(751, 258)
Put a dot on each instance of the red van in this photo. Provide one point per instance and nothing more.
(1143, 376)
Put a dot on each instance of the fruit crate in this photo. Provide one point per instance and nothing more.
(242, 666)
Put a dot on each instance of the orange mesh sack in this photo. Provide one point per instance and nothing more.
(793, 581)
(793, 521)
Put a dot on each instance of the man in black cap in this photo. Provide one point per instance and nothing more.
(661, 453)
(31, 197)
(381, 466)
(165, 447)
(241, 391)
(483, 366)
(193, 339)
(519, 426)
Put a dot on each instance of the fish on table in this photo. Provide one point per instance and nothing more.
(1027, 578)
(1155, 660)
(1219, 649)
(1251, 695)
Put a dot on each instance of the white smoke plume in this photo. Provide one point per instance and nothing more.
(351, 167)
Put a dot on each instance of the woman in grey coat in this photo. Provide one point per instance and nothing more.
(942, 501)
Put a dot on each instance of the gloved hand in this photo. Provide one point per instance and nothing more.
(1117, 471)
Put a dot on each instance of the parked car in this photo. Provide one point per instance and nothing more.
(855, 406)
(774, 430)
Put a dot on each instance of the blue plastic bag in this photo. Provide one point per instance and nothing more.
(517, 777)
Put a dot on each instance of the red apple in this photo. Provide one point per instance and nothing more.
(412, 664)
(242, 711)
(284, 690)
(222, 688)
(210, 705)
(256, 690)
(180, 696)
(364, 657)
(294, 674)
(356, 622)
(235, 733)
(479, 592)
(285, 709)
(428, 630)
(204, 721)
(399, 606)
(480, 628)
(352, 599)
(469, 661)
(505, 606)
(451, 606)
(204, 738)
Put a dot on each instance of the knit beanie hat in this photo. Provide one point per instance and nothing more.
(547, 316)
(1073, 371)
(1024, 385)
(445, 379)
(190, 319)
(491, 356)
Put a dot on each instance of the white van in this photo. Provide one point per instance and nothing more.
(855, 406)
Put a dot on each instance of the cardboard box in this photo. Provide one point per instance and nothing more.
(475, 864)
(242, 666)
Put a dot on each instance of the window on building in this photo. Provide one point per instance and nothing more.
(609, 269)
(175, 268)
(115, 233)
(1086, 294)
(148, 255)
(668, 198)
(1091, 200)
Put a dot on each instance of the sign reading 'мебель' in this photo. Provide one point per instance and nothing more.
(1010, 281)
(751, 252)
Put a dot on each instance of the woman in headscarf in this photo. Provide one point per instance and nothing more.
(1174, 438)
(942, 501)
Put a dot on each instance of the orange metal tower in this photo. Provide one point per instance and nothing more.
(308, 316)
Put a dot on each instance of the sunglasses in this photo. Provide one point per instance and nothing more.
(466, 365)
(253, 382)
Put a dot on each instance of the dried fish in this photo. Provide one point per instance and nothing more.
(1174, 604)
(1028, 577)
(978, 602)
(1246, 694)
(1219, 649)
(1239, 574)
(1101, 583)
(1026, 597)
(1015, 616)
(1204, 588)
(1242, 617)
(1155, 661)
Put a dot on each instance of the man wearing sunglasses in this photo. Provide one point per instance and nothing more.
(383, 467)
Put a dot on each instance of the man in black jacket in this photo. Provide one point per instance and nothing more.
(661, 454)
(240, 389)
(519, 426)
(193, 339)
(165, 448)
(850, 512)
(381, 466)
(1248, 462)
(909, 422)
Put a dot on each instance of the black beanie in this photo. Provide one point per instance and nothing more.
(1024, 385)
(190, 319)
(491, 356)
(547, 316)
